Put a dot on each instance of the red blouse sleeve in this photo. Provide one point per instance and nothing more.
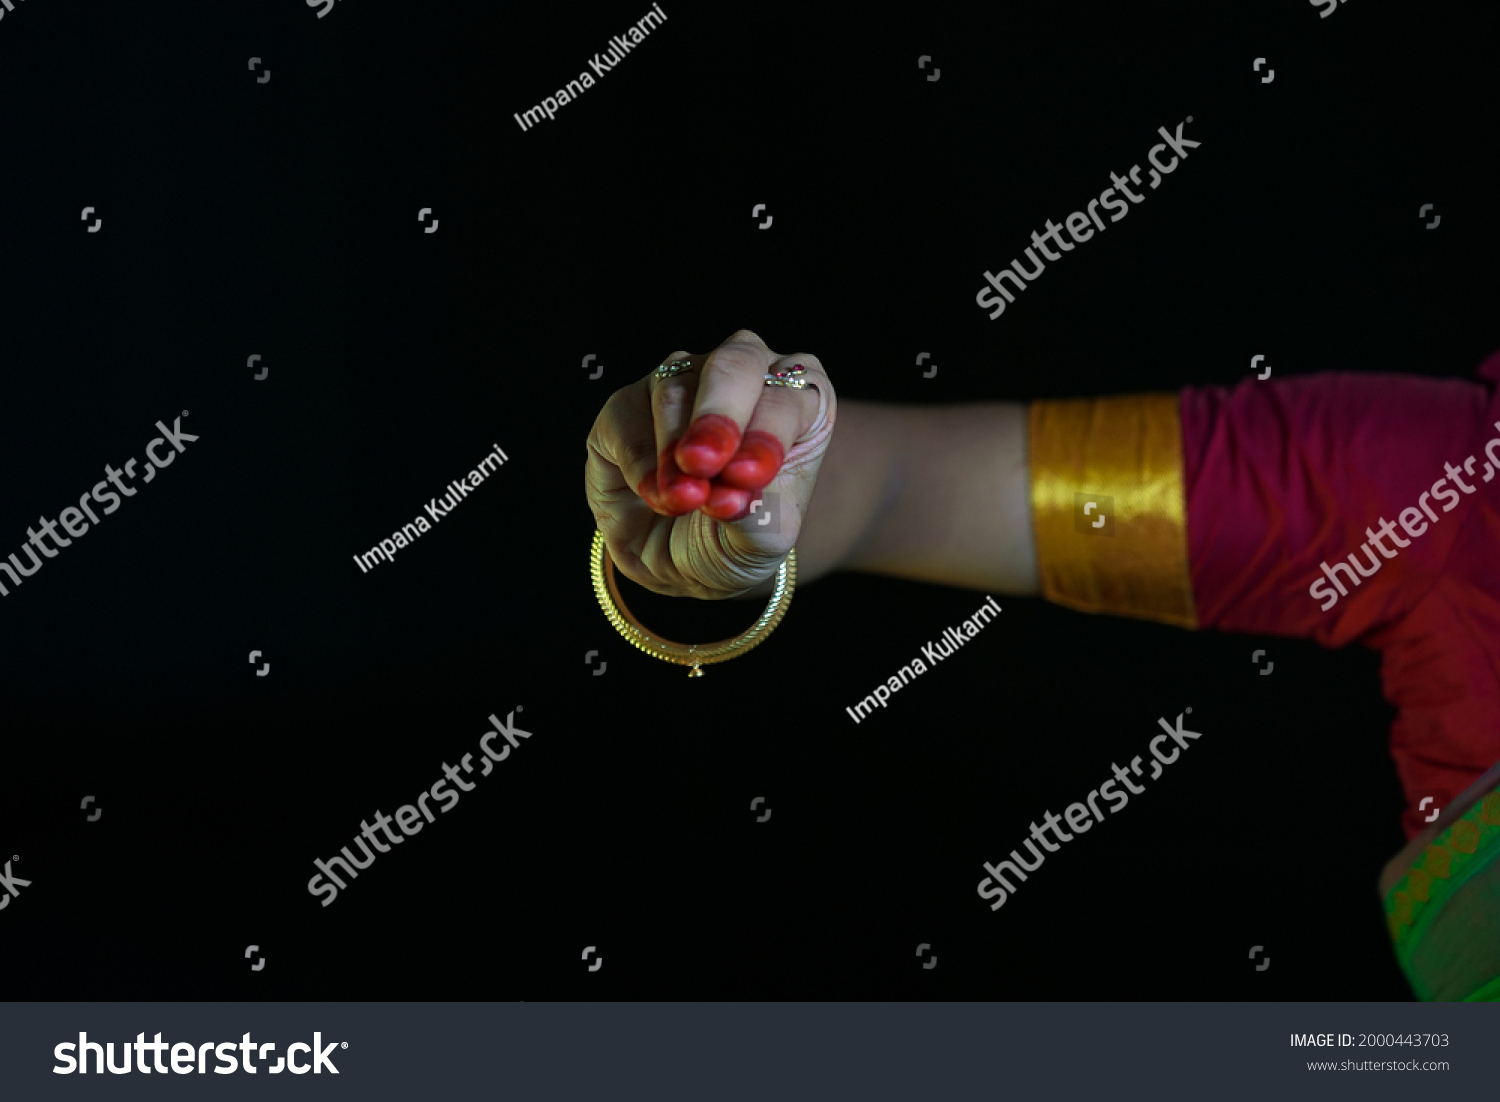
(1362, 509)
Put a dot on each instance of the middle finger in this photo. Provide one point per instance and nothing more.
(731, 383)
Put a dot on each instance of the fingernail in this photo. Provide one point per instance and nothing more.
(707, 445)
(755, 464)
(726, 503)
(677, 492)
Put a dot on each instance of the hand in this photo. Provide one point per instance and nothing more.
(674, 466)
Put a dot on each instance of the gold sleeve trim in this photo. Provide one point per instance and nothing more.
(1123, 454)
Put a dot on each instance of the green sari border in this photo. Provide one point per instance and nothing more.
(1489, 993)
(1469, 844)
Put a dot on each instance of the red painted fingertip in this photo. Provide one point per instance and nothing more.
(678, 493)
(647, 492)
(755, 464)
(708, 444)
(686, 496)
(726, 503)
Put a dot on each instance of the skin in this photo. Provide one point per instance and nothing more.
(652, 513)
(937, 494)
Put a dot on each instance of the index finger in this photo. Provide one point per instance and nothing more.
(730, 383)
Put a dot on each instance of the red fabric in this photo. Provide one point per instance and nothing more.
(1283, 475)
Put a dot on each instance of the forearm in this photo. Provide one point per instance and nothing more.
(932, 493)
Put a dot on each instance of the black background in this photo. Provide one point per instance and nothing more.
(279, 219)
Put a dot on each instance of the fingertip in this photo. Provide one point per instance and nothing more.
(687, 495)
(709, 443)
(726, 503)
(677, 492)
(756, 463)
(647, 492)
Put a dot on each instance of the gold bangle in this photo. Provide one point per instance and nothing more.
(696, 655)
